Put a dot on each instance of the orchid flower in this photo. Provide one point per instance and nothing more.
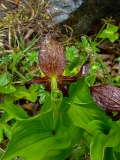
(52, 63)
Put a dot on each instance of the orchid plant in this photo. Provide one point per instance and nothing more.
(52, 62)
(72, 120)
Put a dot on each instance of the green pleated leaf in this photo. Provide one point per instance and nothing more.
(50, 106)
(47, 120)
(31, 140)
(5, 117)
(106, 134)
(75, 88)
(48, 123)
(95, 127)
(76, 133)
(46, 106)
(97, 147)
(79, 116)
(112, 138)
(14, 111)
(117, 148)
(87, 138)
(1, 132)
(7, 130)
(117, 155)
(109, 128)
(109, 154)
(98, 151)
(92, 108)
(80, 92)
(90, 79)
(57, 154)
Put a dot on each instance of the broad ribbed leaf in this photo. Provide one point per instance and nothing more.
(117, 148)
(106, 134)
(7, 130)
(79, 116)
(79, 94)
(1, 132)
(5, 117)
(97, 147)
(32, 141)
(52, 57)
(76, 133)
(109, 154)
(57, 154)
(107, 97)
(83, 109)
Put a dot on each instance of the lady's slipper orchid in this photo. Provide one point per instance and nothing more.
(52, 63)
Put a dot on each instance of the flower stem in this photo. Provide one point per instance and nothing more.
(54, 98)
(53, 83)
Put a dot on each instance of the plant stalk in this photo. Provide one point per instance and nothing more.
(55, 110)
(100, 31)
(103, 65)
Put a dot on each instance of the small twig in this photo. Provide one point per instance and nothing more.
(66, 26)
(119, 68)
(9, 37)
(3, 6)
(34, 71)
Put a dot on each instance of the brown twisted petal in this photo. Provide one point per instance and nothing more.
(39, 80)
(52, 57)
(67, 79)
(107, 97)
